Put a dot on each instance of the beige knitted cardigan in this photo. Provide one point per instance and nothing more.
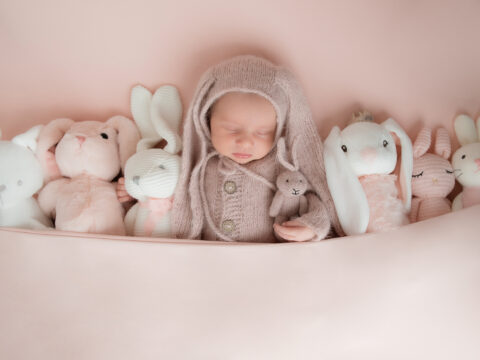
(218, 199)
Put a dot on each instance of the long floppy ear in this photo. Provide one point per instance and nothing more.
(422, 142)
(128, 137)
(166, 115)
(140, 104)
(443, 145)
(406, 167)
(348, 195)
(282, 155)
(465, 130)
(29, 138)
(49, 136)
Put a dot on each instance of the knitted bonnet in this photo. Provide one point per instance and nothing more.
(249, 74)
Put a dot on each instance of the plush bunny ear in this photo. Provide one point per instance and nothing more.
(166, 115)
(443, 146)
(29, 138)
(347, 192)
(422, 142)
(282, 155)
(49, 136)
(406, 167)
(128, 136)
(140, 102)
(465, 130)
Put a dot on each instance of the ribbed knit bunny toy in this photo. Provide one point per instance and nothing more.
(466, 162)
(151, 174)
(289, 201)
(20, 178)
(432, 176)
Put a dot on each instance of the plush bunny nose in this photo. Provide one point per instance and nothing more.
(81, 139)
(435, 180)
(477, 161)
(2, 188)
(136, 179)
(369, 154)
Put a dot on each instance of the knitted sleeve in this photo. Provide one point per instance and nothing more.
(317, 218)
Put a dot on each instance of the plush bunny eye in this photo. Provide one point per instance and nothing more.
(301, 181)
(417, 175)
(449, 172)
(464, 156)
(104, 135)
(385, 143)
(19, 182)
(161, 167)
(344, 148)
(287, 180)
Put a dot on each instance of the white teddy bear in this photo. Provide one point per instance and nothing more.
(21, 177)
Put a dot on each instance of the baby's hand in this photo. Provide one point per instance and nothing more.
(294, 231)
(122, 194)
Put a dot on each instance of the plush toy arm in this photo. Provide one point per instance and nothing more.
(130, 220)
(47, 198)
(458, 202)
(303, 205)
(414, 209)
(317, 217)
(276, 205)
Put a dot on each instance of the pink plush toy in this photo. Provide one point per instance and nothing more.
(432, 178)
(359, 161)
(89, 155)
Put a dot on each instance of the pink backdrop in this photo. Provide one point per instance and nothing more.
(414, 60)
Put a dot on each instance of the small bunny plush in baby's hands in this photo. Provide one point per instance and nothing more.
(289, 201)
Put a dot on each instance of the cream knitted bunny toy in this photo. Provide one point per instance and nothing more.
(289, 201)
(151, 174)
(432, 177)
(89, 155)
(466, 162)
(358, 163)
(20, 178)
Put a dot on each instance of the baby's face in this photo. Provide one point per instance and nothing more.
(243, 126)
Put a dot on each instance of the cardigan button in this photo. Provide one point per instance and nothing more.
(228, 226)
(230, 187)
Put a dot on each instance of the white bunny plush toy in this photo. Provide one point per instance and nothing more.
(466, 162)
(359, 161)
(151, 174)
(20, 178)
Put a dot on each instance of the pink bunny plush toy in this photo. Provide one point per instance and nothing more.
(358, 162)
(432, 177)
(89, 155)
(466, 162)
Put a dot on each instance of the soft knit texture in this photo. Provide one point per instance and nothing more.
(218, 199)
(433, 176)
(386, 209)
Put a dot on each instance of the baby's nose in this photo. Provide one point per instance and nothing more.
(244, 140)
